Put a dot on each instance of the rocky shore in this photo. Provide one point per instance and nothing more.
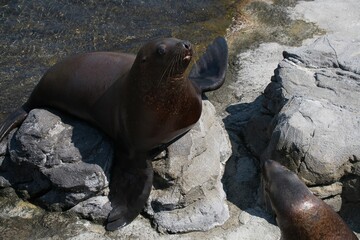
(297, 105)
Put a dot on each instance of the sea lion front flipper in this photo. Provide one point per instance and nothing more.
(129, 190)
(208, 73)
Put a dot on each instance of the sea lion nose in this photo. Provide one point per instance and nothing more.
(187, 45)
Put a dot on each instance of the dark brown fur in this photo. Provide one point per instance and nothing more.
(299, 214)
(143, 102)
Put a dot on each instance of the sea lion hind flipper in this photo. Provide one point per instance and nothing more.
(208, 73)
(129, 190)
(13, 121)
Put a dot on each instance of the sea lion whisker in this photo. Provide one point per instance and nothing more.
(168, 69)
(164, 72)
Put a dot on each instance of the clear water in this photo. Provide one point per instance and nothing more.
(35, 34)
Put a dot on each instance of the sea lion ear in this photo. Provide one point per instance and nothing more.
(208, 73)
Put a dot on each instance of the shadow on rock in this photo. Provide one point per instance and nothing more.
(59, 162)
(241, 179)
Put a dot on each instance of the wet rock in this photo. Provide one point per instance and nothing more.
(188, 193)
(311, 113)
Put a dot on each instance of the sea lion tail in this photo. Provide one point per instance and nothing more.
(13, 121)
(130, 188)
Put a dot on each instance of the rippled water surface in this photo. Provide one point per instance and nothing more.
(36, 34)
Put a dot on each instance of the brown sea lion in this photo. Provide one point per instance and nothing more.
(299, 214)
(143, 102)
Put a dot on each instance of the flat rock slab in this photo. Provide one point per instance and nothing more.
(57, 162)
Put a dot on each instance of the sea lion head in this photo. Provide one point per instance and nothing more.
(283, 188)
(162, 59)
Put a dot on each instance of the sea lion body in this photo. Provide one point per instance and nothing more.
(143, 102)
(111, 91)
(77, 83)
(299, 214)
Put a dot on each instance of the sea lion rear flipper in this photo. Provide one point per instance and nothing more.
(208, 73)
(129, 190)
(13, 121)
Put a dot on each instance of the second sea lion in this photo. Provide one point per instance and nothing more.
(299, 214)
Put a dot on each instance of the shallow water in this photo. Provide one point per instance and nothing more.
(36, 34)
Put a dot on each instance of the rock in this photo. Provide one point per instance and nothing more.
(335, 202)
(191, 196)
(255, 226)
(95, 209)
(62, 163)
(327, 191)
(311, 113)
(351, 190)
(56, 161)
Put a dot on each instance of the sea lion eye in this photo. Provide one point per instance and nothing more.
(143, 59)
(161, 50)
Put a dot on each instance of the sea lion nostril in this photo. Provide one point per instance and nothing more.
(187, 45)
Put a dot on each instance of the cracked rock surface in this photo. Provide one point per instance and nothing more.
(57, 161)
(310, 117)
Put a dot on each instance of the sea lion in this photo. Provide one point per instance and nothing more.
(143, 102)
(299, 214)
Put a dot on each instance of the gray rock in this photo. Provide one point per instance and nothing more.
(311, 114)
(49, 140)
(62, 163)
(96, 209)
(193, 197)
(57, 161)
(352, 190)
(327, 191)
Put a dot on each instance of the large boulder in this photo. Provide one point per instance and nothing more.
(57, 161)
(310, 118)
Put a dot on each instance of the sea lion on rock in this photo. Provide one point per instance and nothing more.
(143, 102)
(299, 214)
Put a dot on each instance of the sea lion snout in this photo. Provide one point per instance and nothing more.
(187, 50)
(187, 45)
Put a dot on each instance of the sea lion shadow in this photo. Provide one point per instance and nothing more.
(242, 174)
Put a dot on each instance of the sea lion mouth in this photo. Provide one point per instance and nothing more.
(187, 57)
(187, 51)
